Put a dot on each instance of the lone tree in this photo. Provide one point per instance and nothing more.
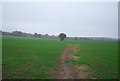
(62, 36)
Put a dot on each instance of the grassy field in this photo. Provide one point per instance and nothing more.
(30, 57)
(100, 56)
(0, 56)
(36, 57)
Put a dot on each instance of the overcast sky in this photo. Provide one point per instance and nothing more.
(91, 19)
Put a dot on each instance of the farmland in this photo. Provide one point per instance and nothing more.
(100, 56)
(35, 58)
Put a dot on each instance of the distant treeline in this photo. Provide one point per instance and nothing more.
(23, 34)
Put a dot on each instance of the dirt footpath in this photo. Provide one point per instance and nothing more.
(66, 70)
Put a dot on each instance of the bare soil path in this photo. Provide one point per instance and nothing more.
(66, 70)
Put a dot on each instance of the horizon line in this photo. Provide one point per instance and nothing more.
(57, 35)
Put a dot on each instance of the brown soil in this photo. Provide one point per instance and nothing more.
(66, 70)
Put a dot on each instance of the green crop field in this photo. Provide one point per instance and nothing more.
(0, 56)
(101, 58)
(36, 58)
